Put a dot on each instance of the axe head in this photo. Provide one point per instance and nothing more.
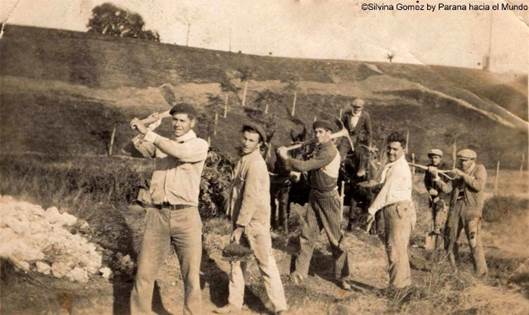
(167, 93)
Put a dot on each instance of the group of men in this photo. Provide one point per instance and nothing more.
(173, 217)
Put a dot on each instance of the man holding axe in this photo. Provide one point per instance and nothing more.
(324, 210)
(173, 216)
(437, 193)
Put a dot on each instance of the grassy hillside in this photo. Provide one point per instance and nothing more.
(65, 91)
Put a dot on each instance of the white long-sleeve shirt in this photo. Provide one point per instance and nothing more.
(179, 164)
(397, 184)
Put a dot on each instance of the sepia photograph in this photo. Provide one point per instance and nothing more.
(264, 157)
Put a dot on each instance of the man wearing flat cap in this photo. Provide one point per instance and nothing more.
(323, 211)
(437, 196)
(173, 217)
(466, 208)
(249, 209)
(357, 121)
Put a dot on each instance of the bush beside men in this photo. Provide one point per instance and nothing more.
(323, 211)
(395, 201)
(466, 209)
(173, 217)
(249, 209)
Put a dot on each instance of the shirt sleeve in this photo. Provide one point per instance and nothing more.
(477, 181)
(191, 151)
(147, 149)
(321, 159)
(252, 196)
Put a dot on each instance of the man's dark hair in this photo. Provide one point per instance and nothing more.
(252, 130)
(396, 137)
(184, 108)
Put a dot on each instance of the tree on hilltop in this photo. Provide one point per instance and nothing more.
(109, 19)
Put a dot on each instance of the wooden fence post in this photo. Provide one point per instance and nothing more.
(522, 163)
(216, 121)
(111, 144)
(496, 185)
(413, 161)
(226, 106)
(454, 154)
(293, 111)
(244, 93)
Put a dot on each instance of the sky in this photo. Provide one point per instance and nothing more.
(327, 29)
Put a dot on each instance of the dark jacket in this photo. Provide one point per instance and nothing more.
(469, 190)
(360, 134)
(323, 167)
(429, 183)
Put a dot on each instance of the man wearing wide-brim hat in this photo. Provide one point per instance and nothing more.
(466, 209)
(437, 196)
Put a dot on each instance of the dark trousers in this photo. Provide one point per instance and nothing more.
(323, 212)
(280, 211)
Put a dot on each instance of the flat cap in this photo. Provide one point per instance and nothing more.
(257, 128)
(435, 152)
(325, 124)
(467, 154)
(184, 108)
(359, 102)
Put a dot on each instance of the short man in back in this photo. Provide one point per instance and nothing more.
(323, 211)
(466, 209)
(395, 201)
(249, 209)
(173, 217)
(436, 195)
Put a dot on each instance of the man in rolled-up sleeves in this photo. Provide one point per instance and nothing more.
(395, 201)
(249, 209)
(173, 216)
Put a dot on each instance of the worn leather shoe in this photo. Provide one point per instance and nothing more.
(227, 309)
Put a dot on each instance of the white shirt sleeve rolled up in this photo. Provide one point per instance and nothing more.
(397, 185)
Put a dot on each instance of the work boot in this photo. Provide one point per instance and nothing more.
(296, 278)
(345, 285)
(227, 309)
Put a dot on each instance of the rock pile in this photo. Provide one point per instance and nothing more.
(34, 239)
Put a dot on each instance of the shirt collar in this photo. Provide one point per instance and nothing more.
(187, 136)
(399, 161)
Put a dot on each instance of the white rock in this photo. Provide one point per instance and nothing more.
(105, 272)
(78, 274)
(43, 267)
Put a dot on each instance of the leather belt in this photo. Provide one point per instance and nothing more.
(167, 205)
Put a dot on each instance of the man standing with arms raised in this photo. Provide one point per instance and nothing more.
(173, 216)
(466, 209)
(323, 211)
(394, 199)
(249, 209)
